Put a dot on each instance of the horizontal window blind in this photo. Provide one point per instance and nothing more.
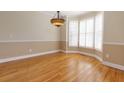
(88, 30)
(98, 31)
(73, 33)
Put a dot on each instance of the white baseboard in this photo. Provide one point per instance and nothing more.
(27, 56)
(64, 51)
(71, 51)
(97, 57)
(54, 51)
(84, 53)
(113, 65)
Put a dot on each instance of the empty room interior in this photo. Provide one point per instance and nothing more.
(61, 46)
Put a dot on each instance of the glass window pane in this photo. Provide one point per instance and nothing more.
(82, 26)
(89, 32)
(82, 40)
(73, 33)
(90, 25)
(82, 35)
(98, 22)
(98, 31)
(89, 40)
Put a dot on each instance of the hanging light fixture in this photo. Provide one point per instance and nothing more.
(57, 21)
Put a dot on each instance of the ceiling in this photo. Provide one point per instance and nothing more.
(72, 13)
(66, 13)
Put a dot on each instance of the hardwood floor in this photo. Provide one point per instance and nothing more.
(59, 67)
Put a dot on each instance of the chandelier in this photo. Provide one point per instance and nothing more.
(57, 21)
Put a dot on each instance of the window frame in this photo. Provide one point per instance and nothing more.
(76, 46)
(93, 18)
(94, 31)
(80, 35)
(101, 14)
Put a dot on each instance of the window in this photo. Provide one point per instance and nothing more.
(86, 33)
(82, 35)
(73, 33)
(98, 31)
(89, 32)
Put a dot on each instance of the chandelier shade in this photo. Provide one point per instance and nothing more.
(57, 21)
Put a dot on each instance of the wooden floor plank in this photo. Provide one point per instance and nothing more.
(59, 67)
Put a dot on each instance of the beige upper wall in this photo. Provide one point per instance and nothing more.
(114, 26)
(113, 50)
(27, 26)
(63, 33)
(64, 30)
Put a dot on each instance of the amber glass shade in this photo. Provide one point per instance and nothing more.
(57, 22)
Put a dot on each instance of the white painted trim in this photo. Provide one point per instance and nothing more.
(92, 55)
(97, 57)
(63, 51)
(113, 65)
(84, 53)
(71, 51)
(27, 56)
(54, 51)
(44, 53)
(9, 41)
(113, 43)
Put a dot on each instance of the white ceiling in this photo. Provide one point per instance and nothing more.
(66, 13)
(72, 13)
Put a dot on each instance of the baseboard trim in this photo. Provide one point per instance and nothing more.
(113, 65)
(55, 51)
(97, 57)
(27, 56)
(84, 53)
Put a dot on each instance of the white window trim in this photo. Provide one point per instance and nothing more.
(78, 46)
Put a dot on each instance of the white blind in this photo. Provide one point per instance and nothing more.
(73, 33)
(82, 35)
(89, 32)
(98, 31)
(86, 33)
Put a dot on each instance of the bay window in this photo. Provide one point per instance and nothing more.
(89, 31)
